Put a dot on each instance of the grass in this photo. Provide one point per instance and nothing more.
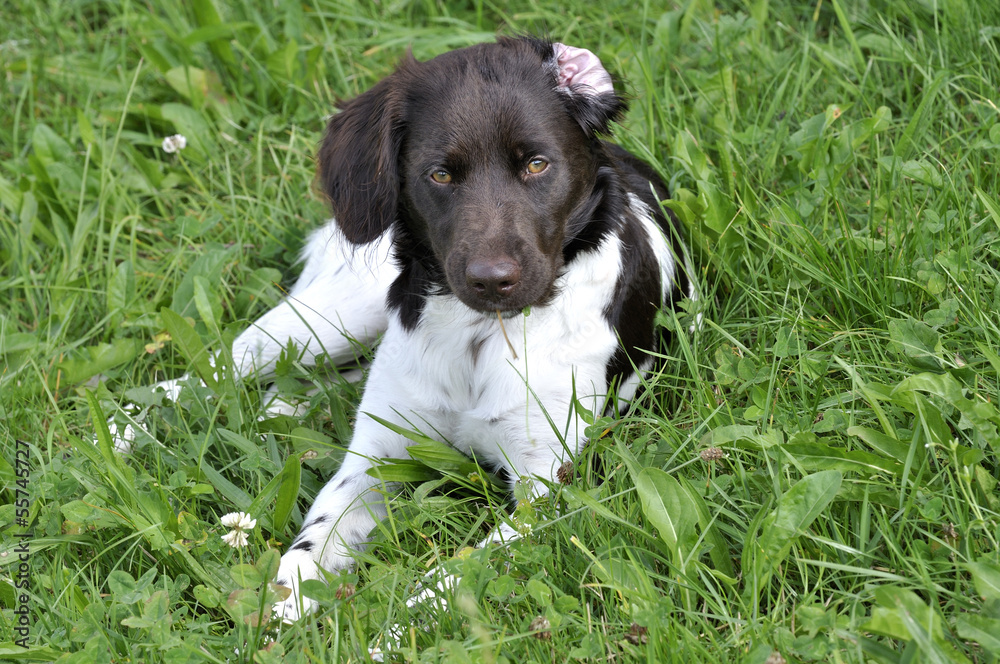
(811, 476)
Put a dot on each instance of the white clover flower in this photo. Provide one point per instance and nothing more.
(235, 538)
(174, 143)
(240, 522)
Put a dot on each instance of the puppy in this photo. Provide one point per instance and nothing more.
(529, 259)
(513, 259)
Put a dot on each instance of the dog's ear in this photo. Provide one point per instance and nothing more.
(587, 88)
(359, 162)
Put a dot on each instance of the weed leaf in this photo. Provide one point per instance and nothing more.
(719, 551)
(669, 508)
(817, 456)
(986, 576)
(288, 492)
(795, 512)
(984, 631)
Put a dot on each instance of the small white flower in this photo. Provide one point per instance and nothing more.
(235, 538)
(240, 522)
(174, 143)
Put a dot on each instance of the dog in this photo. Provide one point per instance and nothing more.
(512, 260)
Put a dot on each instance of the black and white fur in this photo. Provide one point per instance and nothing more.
(473, 197)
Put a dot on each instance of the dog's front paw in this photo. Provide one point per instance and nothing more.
(434, 588)
(504, 533)
(296, 566)
(293, 608)
(128, 424)
(122, 437)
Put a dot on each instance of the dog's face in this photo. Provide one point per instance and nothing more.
(486, 156)
(493, 170)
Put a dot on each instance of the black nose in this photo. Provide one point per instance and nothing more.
(493, 278)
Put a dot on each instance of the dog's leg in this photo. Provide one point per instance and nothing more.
(337, 303)
(542, 461)
(346, 509)
(525, 461)
(531, 462)
(334, 529)
(319, 319)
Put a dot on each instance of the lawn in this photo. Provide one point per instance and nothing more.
(809, 476)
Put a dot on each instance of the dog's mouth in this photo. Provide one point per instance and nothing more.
(511, 313)
(506, 307)
(491, 308)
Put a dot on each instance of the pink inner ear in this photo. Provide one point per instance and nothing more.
(580, 71)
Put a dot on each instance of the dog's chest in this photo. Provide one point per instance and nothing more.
(457, 372)
(471, 363)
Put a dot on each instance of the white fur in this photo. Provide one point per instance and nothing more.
(338, 302)
(658, 241)
(668, 267)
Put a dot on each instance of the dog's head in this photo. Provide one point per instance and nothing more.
(486, 158)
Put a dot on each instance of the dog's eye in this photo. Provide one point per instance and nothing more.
(537, 165)
(441, 176)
